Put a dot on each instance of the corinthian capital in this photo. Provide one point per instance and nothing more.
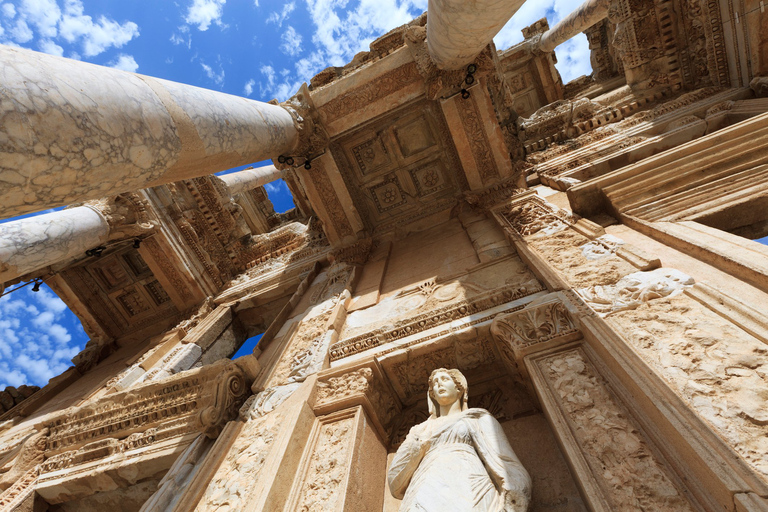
(313, 139)
(128, 215)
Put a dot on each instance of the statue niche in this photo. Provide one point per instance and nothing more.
(459, 459)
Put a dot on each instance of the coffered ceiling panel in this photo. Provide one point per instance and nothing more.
(401, 167)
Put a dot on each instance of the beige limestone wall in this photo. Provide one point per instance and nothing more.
(701, 347)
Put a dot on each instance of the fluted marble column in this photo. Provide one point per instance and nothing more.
(33, 243)
(458, 30)
(71, 131)
(248, 179)
(586, 15)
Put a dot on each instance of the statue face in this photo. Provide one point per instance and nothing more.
(444, 389)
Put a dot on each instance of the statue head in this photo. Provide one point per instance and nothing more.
(444, 391)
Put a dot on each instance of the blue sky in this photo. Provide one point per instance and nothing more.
(255, 48)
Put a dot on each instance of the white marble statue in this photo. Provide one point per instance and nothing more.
(459, 459)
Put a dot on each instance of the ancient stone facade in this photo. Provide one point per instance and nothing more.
(582, 252)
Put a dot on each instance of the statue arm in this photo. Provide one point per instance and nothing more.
(505, 469)
(405, 462)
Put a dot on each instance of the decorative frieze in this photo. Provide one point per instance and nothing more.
(427, 320)
(364, 95)
(532, 215)
(203, 399)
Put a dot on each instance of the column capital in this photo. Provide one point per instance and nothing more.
(443, 83)
(128, 215)
(313, 138)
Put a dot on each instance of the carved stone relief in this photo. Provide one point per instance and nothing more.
(632, 290)
(563, 251)
(534, 216)
(363, 386)
(631, 476)
(233, 482)
(534, 324)
(309, 344)
(717, 368)
(327, 466)
(601, 247)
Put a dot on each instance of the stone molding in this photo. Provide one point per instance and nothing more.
(426, 320)
(22, 489)
(366, 386)
(203, 399)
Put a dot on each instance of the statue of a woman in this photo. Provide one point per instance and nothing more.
(459, 460)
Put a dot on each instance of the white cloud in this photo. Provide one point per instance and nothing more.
(291, 42)
(38, 337)
(279, 18)
(248, 88)
(44, 14)
(48, 46)
(124, 62)
(218, 78)
(204, 12)
(52, 24)
(182, 37)
(21, 32)
(95, 37)
(9, 11)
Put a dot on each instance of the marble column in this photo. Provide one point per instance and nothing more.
(458, 30)
(249, 179)
(586, 15)
(33, 243)
(71, 131)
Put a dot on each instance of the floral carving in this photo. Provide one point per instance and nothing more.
(478, 140)
(327, 466)
(534, 324)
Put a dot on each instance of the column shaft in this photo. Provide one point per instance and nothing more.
(33, 243)
(71, 131)
(249, 179)
(458, 30)
(586, 15)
